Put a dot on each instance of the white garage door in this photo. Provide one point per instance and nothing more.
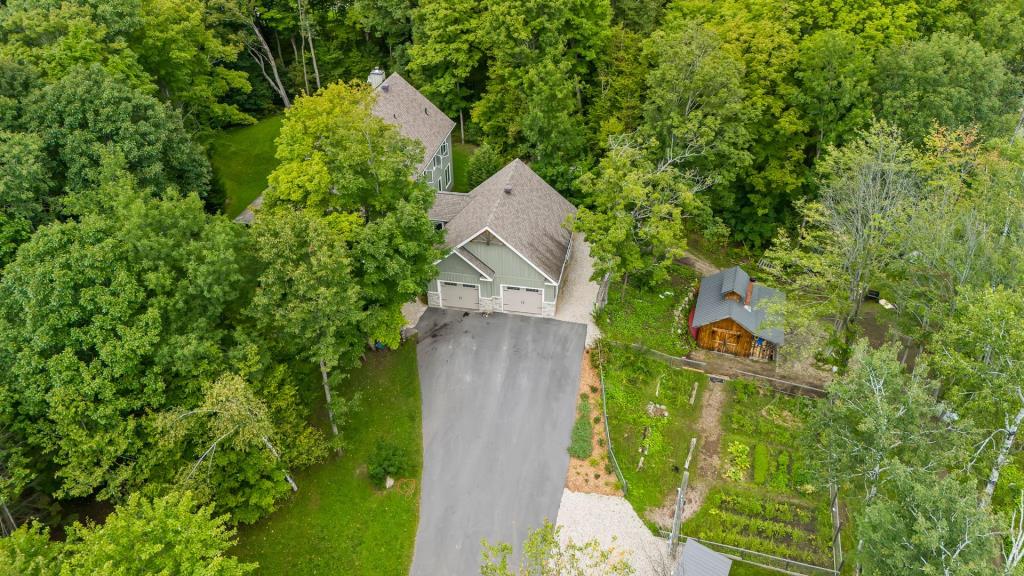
(521, 300)
(461, 296)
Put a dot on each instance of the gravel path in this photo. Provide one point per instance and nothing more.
(612, 522)
(578, 294)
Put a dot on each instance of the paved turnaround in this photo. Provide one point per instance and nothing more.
(499, 400)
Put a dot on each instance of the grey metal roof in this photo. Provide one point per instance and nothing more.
(475, 262)
(698, 560)
(524, 211)
(416, 117)
(712, 305)
(447, 205)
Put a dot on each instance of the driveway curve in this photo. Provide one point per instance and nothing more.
(499, 400)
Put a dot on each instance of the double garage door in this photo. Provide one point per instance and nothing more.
(515, 299)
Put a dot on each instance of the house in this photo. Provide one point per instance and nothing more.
(729, 313)
(417, 118)
(695, 559)
(507, 245)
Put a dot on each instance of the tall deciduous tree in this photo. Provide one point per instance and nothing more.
(25, 189)
(978, 355)
(638, 215)
(946, 79)
(109, 318)
(168, 535)
(89, 112)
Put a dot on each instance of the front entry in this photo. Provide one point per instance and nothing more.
(461, 296)
(521, 300)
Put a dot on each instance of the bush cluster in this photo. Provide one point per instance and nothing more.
(388, 459)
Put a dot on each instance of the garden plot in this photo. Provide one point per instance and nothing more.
(765, 500)
(652, 420)
(654, 317)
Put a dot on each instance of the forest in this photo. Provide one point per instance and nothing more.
(174, 369)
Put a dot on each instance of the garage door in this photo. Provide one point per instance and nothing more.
(461, 296)
(521, 300)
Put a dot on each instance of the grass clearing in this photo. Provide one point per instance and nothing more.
(765, 500)
(242, 158)
(338, 523)
(633, 381)
(647, 315)
(461, 153)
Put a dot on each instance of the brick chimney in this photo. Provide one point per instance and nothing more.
(750, 291)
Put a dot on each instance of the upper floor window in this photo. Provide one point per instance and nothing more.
(443, 150)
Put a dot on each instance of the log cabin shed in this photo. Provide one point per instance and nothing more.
(729, 313)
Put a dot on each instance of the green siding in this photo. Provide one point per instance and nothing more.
(509, 268)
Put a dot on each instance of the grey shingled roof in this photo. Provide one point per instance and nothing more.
(447, 205)
(413, 114)
(476, 262)
(699, 560)
(250, 211)
(712, 305)
(529, 218)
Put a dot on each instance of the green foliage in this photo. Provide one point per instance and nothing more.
(29, 552)
(580, 443)
(638, 215)
(760, 464)
(737, 464)
(169, 535)
(110, 318)
(945, 79)
(89, 112)
(545, 554)
(631, 379)
(25, 190)
(388, 459)
(647, 315)
(486, 161)
(336, 503)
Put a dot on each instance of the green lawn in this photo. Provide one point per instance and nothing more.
(765, 499)
(646, 315)
(338, 523)
(461, 153)
(242, 159)
(632, 380)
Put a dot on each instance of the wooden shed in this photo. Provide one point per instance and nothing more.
(729, 314)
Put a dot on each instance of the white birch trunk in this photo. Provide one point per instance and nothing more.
(1004, 455)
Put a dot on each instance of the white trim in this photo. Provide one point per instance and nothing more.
(466, 260)
(501, 291)
(510, 247)
(440, 295)
(568, 254)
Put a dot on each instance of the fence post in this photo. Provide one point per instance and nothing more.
(678, 519)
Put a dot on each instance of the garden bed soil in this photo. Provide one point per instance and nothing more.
(592, 476)
(709, 437)
(728, 365)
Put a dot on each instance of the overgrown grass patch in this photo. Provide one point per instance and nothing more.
(765, 500)
(634, 381)
(242, 158)
(339, 522)
(651, 315)
(461, 153)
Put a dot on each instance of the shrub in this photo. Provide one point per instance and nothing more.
(483, 164)
(579, 445)
(387, 459)
(760, 464)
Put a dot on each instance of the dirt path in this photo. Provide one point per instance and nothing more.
(702, 266)
(709, 434)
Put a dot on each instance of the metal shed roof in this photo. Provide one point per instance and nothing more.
(699, 560)
(712, 305)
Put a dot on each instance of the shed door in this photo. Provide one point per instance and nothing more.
(461, 296)
(521, 300)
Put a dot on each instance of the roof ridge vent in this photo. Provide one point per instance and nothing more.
(426, 111)
(384, 87)
(508, 189)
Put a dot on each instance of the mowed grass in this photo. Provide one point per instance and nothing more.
(242, 159)
(633, 380)
(338, 523)
(461, 153)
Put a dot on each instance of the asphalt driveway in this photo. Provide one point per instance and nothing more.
(499, 399)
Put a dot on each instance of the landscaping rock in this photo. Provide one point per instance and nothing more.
(389, 482)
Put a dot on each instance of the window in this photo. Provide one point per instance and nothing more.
(447, 177)
(443, 150)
